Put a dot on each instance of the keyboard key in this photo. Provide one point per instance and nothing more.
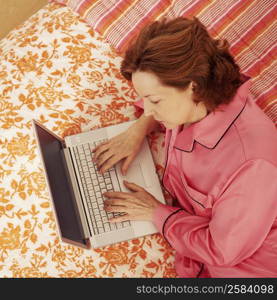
(101, 230)
(103, 213)
(119, 225)
(112, 226)
(104, 219)
(108, 180)
(93, 198)
(99, 224)
(126, 223)
(107, 227)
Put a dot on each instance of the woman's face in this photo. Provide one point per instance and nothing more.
(170, 106)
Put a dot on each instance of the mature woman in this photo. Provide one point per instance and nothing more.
(221, 165)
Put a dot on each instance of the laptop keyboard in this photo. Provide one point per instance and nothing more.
(94, 185)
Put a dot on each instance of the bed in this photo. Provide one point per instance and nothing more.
(61, 67)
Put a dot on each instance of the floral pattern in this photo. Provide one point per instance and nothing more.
(56, 69)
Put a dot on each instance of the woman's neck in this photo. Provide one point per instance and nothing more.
(200, 113)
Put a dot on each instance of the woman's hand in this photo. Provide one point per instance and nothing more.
(138, 205)
(123, 146)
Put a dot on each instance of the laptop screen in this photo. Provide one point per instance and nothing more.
(68, 217)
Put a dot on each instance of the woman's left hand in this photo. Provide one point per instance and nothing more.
(138, 205)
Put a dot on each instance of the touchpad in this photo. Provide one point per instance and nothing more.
(134, 174)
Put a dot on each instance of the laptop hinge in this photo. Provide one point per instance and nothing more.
(76, 191)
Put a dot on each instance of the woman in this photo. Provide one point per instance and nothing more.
(221, 154)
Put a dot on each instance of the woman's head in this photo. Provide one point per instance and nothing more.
(167, 104)
(184, 61)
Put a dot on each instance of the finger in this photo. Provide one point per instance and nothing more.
(132, 216)
(121, 195)
(100, 149)
(103, 158)
(99, 152)
(122, 218)
(116, 202)
(126, 164)
(123, 204)
(100, 145)
(115, 208)
(110, 163)
(133, 187)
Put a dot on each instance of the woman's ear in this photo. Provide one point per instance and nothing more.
(192, 85)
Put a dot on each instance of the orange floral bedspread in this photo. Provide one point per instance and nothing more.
(56, 69)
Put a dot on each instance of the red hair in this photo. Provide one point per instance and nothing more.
(181, 50)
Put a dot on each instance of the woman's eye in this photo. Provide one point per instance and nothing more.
(155, 102)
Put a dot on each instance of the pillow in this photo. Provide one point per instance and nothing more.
(248, 25)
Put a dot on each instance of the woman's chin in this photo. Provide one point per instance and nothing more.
(168, 125)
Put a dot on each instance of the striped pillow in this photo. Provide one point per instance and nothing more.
(248, 25)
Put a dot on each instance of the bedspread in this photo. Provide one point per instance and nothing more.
(56, 69)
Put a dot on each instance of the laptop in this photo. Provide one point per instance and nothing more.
(76, 187)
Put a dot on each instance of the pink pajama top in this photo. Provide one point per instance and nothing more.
(222, 172)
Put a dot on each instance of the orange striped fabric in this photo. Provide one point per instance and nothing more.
(248, 25)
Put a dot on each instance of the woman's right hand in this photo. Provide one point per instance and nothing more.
(123, 146)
